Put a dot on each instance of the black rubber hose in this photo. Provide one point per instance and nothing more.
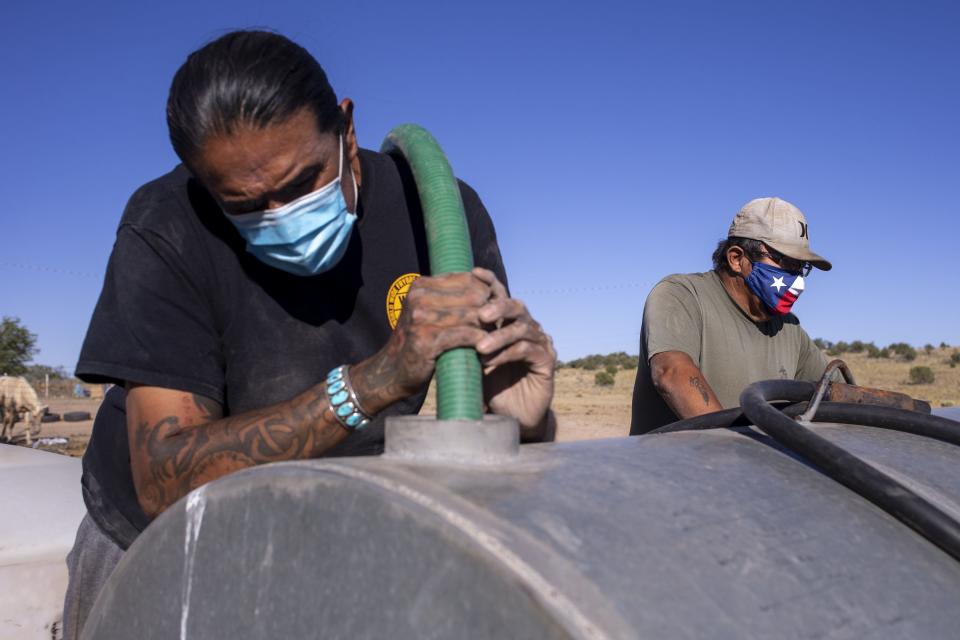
(921, 424)
(840, 465)
(716, 420)
(723, 419)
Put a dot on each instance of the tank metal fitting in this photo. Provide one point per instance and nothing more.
(492, 440)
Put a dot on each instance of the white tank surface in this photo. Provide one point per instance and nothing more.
(42, 508)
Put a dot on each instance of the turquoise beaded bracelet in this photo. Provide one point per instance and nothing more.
(343, 400)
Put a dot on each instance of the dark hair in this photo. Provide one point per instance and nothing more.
(252, 78)
(753, 249)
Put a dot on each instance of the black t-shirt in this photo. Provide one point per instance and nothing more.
(185, 307)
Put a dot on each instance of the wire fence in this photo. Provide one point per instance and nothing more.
(523, 291)
(48, 269)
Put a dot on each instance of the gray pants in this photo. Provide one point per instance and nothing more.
(89, 564)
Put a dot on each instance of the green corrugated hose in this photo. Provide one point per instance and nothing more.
(459, 377)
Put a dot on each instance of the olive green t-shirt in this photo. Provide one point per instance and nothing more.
(694, 314)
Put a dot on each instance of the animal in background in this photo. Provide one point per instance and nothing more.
(18, 397)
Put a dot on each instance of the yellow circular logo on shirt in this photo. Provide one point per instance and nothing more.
(396, 295)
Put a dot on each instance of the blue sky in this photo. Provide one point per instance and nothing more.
(612, 142)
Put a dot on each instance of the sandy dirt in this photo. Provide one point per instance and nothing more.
(585, 411)
(77, 433)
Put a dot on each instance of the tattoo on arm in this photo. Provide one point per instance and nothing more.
(209, 409)
(696, 384)
(179, 458)
(376, 380)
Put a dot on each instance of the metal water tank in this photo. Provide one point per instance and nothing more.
(694, 534)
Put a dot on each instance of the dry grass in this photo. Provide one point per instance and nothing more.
(894, 375)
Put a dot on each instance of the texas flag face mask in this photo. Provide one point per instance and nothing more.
(777, 288)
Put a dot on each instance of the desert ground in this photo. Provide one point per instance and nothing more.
(76, 433)
(586, 411)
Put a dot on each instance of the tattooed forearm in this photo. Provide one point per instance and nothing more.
(376, 381)
(682, 385)
(177, 453)
(696, 384)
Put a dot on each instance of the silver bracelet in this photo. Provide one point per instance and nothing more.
(343, 400)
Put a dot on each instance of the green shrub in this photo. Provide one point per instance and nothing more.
(858, 346)
(611, 369)
(822, 344)
(921, 375)
(955, 357)
(928, 348)
(597, 361)
(603, 379)
(872, 350)
(903, 350)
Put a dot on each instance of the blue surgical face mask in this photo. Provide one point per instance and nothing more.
(777, 288)
(305, 237)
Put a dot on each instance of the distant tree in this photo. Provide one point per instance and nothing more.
(611, 369)
(903, 350)
(838, 348)
(36, 373)
(857, 346)
(620, 359)
(17, 346)
(944, 345)
(603, 379)
(928, 348)
(921, 375)
(872, 350)
(822, 344)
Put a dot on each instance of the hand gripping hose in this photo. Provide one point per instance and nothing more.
(459, 377)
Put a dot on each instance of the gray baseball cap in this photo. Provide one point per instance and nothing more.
(779, 225)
